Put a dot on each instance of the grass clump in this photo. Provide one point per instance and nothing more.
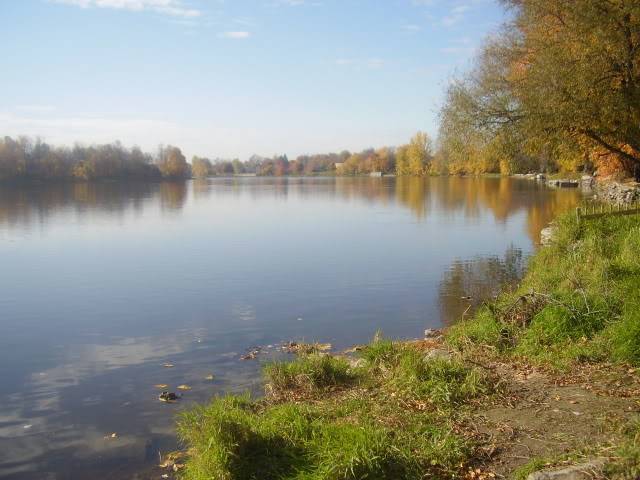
(442, 380)
(627, 456)
(533, 465)
(578, 302)
(391, 418)
(309, 373)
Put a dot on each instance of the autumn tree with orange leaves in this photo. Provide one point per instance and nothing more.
(559, 88)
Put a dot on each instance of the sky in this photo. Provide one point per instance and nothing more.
(230, 78)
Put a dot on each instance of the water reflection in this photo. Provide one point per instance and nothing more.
(468, 283)
(504, 197)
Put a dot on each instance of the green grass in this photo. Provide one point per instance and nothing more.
(533, 465)
(392, 418)
(627, 466)
(579, 302)
(310, 372)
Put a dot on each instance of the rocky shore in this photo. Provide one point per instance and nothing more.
(617, 193)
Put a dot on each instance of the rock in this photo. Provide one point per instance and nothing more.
(618, 193)
(432, 333)
(547, 235)
(168, 397)
(587, 181)
(563, 183)
(584, 471)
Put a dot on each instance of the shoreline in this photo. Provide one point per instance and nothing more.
(520, 387)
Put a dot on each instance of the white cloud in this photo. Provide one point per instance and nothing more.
(375, 63)
(455, 15)
(36, 108)
(372, 63)
(411, 28)
(296, 3)
(238, 35)
(165, 7)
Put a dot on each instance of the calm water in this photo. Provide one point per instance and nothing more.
(100, 285)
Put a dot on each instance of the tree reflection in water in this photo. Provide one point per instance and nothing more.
(468, 283)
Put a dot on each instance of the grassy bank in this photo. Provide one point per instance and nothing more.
(579, 302)
(461, 405)
(389, 415)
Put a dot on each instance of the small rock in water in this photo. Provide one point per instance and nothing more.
(251, 355)
(168, 397)
(431, 333)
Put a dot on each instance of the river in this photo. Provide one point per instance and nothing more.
(103, 284)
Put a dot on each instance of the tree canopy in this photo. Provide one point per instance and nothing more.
(557, 88)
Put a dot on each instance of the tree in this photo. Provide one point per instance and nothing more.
(201, 167)
(402, 161)
(419, 154)
(172, 163)
(414, 158)
(559, 88)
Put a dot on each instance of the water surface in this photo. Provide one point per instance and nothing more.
(102, 284)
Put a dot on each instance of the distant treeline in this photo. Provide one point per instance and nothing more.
(28, 159)
(25, 158)
(411, 159)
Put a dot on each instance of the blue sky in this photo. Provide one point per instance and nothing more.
(228, 78)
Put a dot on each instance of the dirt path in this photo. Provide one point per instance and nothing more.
(544, 416)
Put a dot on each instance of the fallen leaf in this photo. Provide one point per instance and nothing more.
(111, 435)
(168, 365)
(26, 427)
(161, 385)
(183, 387)
(209, 377)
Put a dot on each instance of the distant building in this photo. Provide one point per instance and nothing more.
(339, 165)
